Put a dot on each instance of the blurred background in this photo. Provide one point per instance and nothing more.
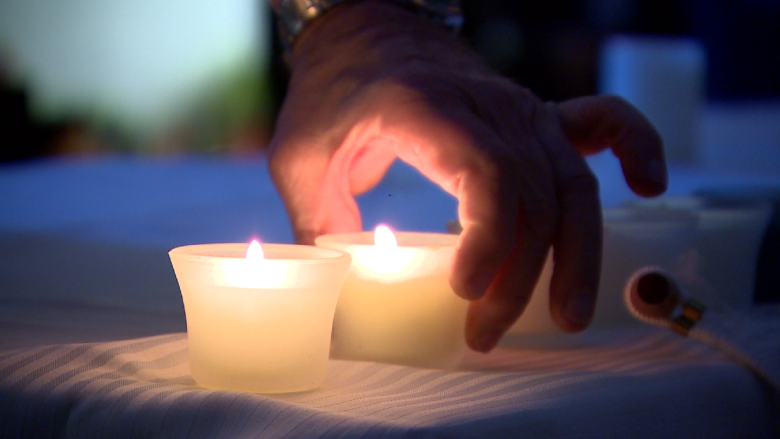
(133, 76)
(171, 76)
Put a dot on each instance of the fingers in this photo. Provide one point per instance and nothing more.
(594, 123)
(577, 244)
(487, 213)
(529, 201)
(506, 207)
(574, 218)
(490, 317)
(576, 255)
(446, 150)
(499, 254)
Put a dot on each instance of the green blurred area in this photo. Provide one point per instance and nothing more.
(133, 76)
(230, 113)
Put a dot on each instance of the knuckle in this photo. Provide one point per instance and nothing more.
(614, 104)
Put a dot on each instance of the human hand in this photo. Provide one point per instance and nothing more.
(372, 81)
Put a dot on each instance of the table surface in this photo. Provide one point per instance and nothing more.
(92, 340)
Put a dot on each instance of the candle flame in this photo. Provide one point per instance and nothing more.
(255, 271)
(384, 237)
(385, 260)
(255, 250)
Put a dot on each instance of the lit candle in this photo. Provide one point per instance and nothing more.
(259, 323)
(396, 304)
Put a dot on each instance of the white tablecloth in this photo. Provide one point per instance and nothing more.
(639, 384)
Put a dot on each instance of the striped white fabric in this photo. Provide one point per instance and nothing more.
(639, 383)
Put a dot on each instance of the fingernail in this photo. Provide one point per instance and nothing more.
(579, 309)
(485, 340)
(478, 284)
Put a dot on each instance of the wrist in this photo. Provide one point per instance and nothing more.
(296, 15)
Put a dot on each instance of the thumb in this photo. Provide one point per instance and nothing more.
(315, 189)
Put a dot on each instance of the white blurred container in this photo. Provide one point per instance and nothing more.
(263, 324)
(663, 77)
(536, 318)
(396, 304)
(727, 243)
(633, 238)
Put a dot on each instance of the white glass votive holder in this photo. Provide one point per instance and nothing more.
(727, 243)
(259, 325)
(633, 239)
(396, 304)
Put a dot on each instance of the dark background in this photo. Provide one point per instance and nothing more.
(551, 47)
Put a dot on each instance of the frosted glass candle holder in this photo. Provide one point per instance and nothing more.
(259, 325)
(536, 319)
(727, 243)
(396, 304)
(635, 238)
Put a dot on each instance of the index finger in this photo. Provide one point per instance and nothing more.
(594, 123)
(506, 206)
(444, 149)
